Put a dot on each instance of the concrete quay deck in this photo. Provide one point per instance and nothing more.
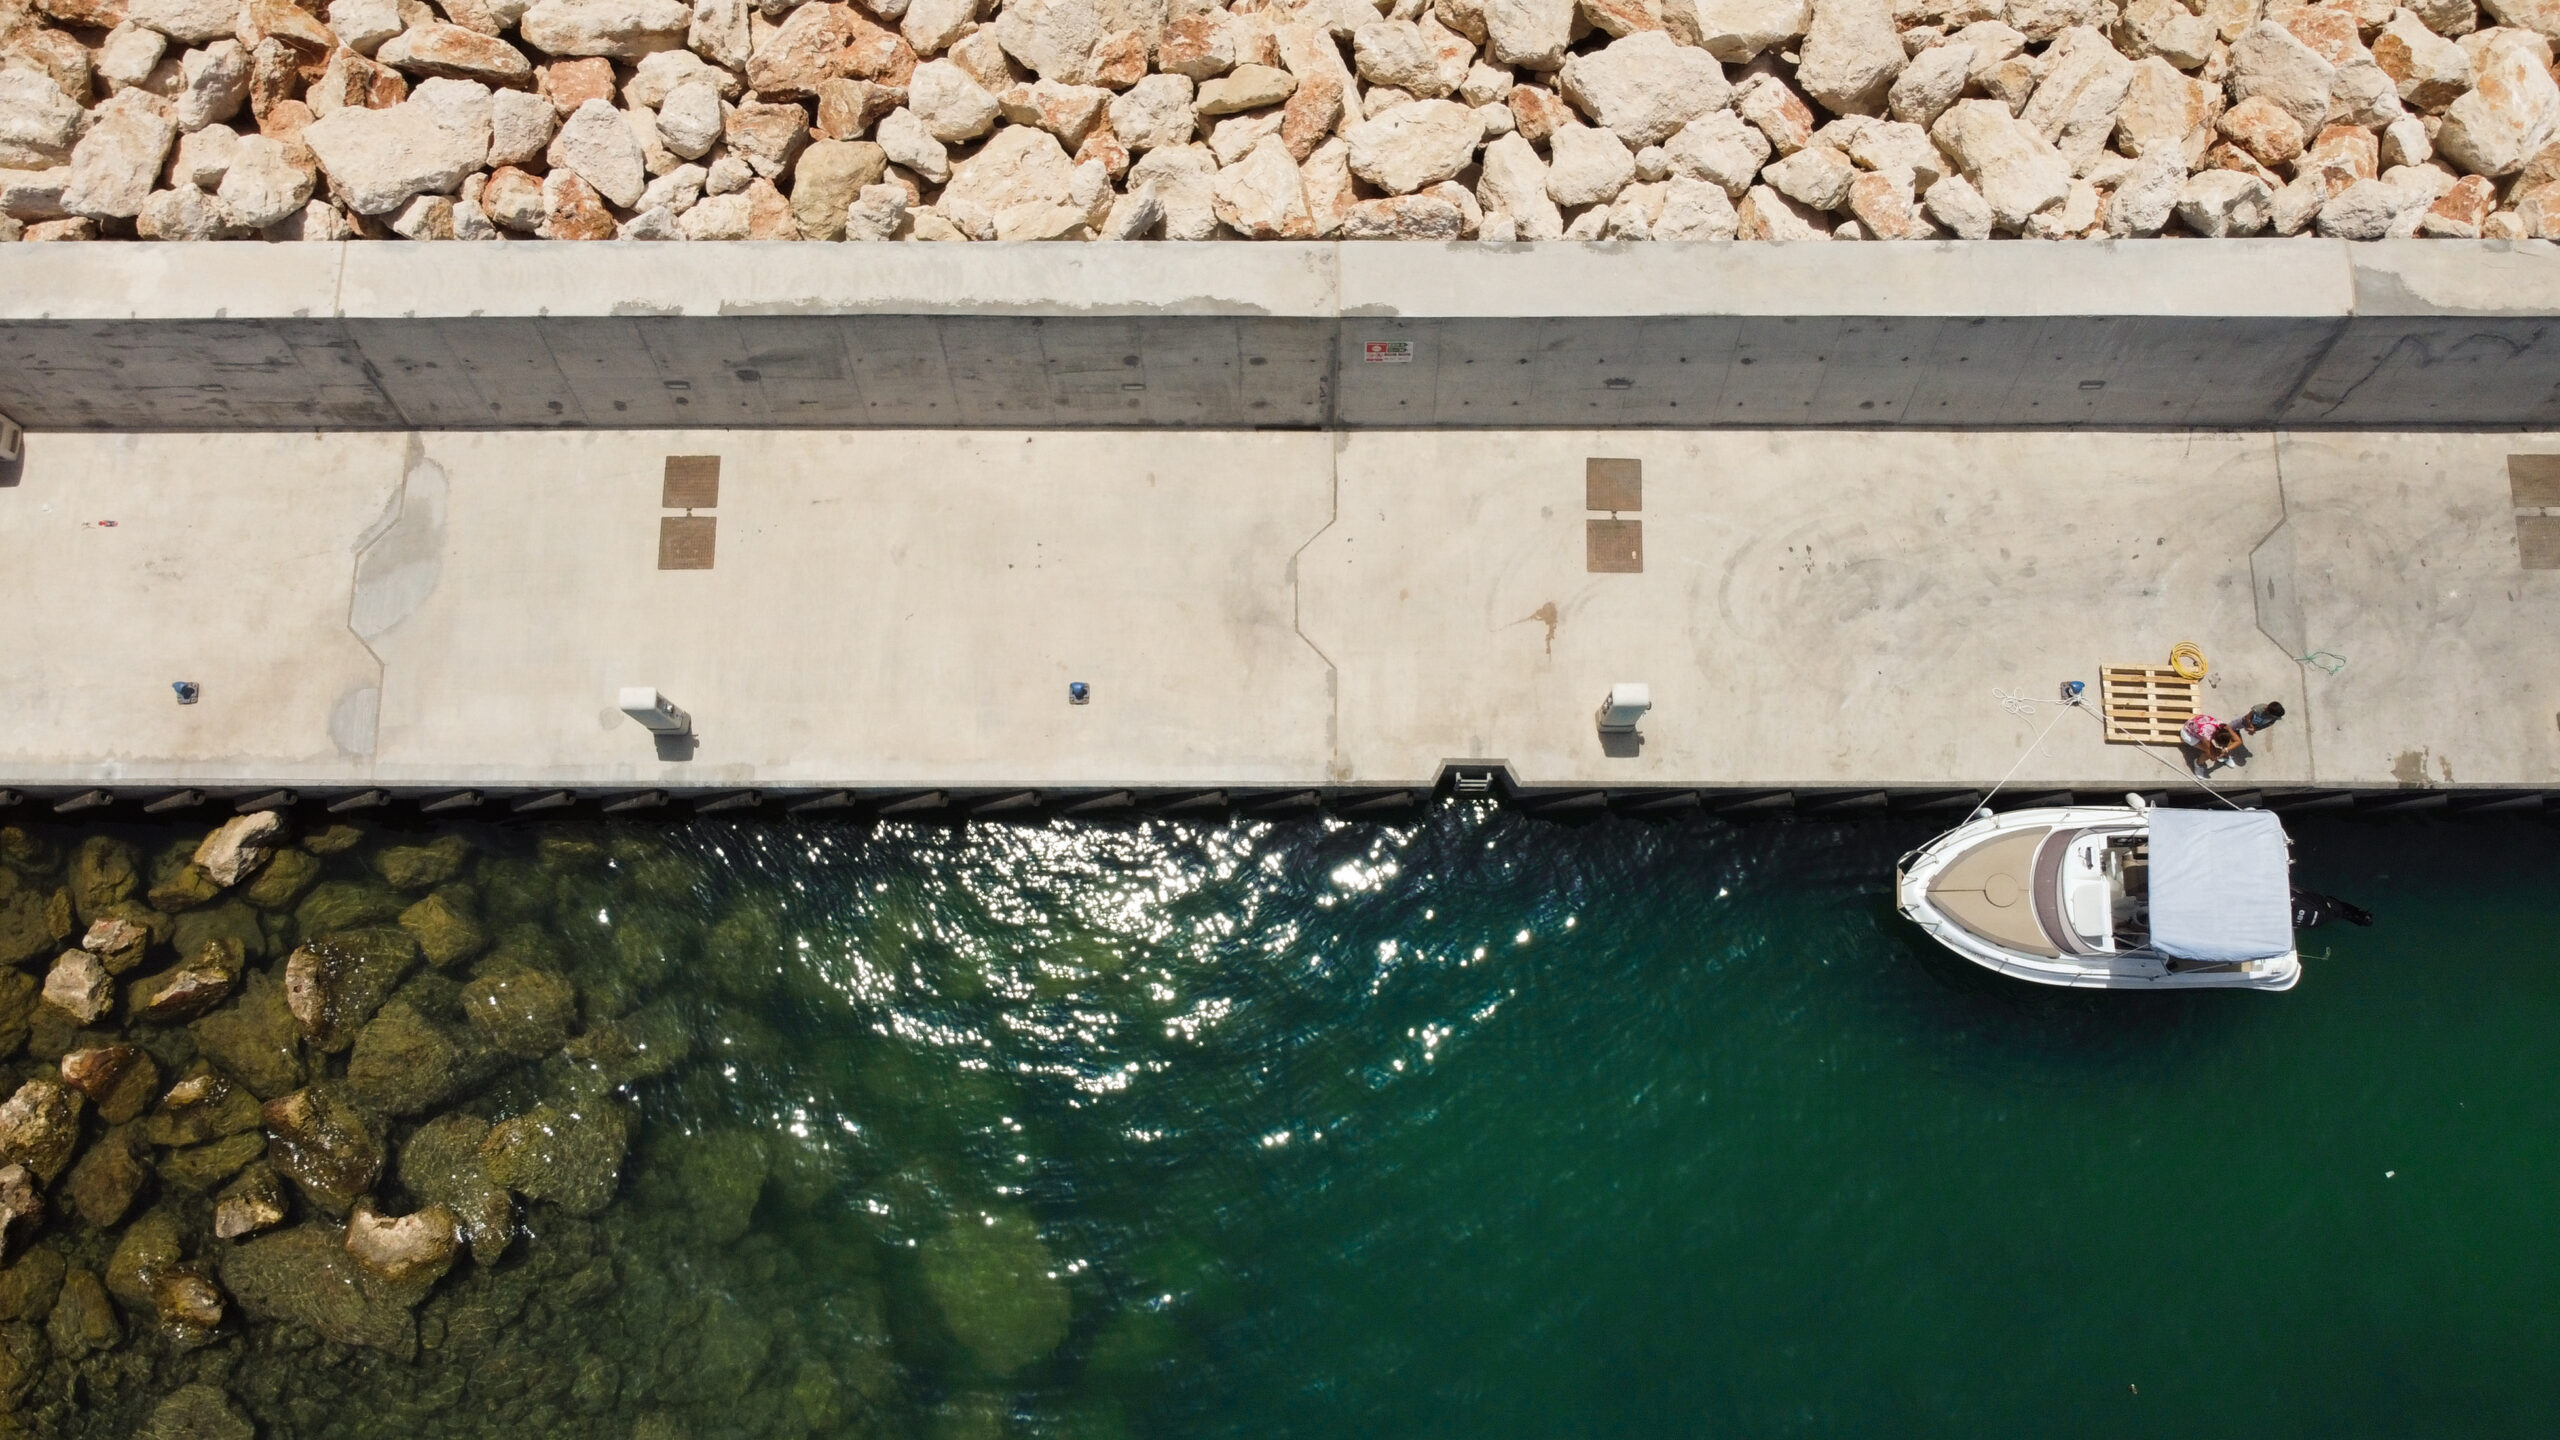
(895, 615)
(379, 335)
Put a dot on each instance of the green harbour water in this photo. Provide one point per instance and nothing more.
(1469, 1125)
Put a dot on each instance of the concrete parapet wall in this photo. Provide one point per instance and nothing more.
(394, 336)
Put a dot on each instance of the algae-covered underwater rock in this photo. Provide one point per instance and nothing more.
(229, 920)
(447, 931)
(176, 883)
(288, 877)
(189, 988)
(335, 905)
(405, 1062)
(255, 1038)
(29, 918)
(440, 1165)
(198, 1412)
(997, 1289)
(102, 1186)
(422, 867)
(305, 1275)
(121, 1080)
(104, 873)
(713, 1178)
(520, 1010)
(570, 1155)
(322, 1144)
(334, 983)
(83, 1319)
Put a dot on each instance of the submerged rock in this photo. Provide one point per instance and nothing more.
(569, 1156)
(199, 1168)
(288, 876)
(239, 846)
(148, 1246)
(520, 1010)
(417, 1247)
(187, 1302)
(198, 1412)
(229, 920)
(103, 875)
(447, 933)
(304, 1275)
(32, 920)
(997, 1289)
(20, 997)
(441, 1166)
(333, 839)
(202, 1106)
(103, 1185)
(335, 905)
(79, 986)
(715, 1177)
(119, 1079)
(322, 1144)
(254, 1202)
(27, 1288)
(83, 1319)
(642, 1045)
(335, 983)
(405, 1063)
(176, 884)
(255, 1038)
(187, 990)
(40, 1127)
(422, 867)
(118, 943)
(21, 1206)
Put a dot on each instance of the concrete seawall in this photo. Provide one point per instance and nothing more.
(373, 335)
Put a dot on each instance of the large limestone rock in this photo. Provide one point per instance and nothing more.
(954, 107)
(2269, 61)
(1694, 209)
(1934, 80)
(2074, 107)
(1530, 34)
(2216, 203)
(1645, 87)
(321, 1142)
(1816, 177)
(2499, 125)
(597, 142)
(2167, 114)
(262, 186)
(1586, 166)
(1020, 167)
(1182, 179)
(1263, 196)
(2427, 70)
(1409, 146)
(1851, 55)
(997, 1289)
(1153, 114)
(190, 22)
(2012, 167)
(457, 53)
(38, 123)
(113, 168)
(379, 160)
(616, 29)
(568, 1154)
(1053, 39)
(1720, 149)
(824, 184)
(1737, 31)
(1515, 184)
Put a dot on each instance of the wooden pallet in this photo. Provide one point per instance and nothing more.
(2145, 704)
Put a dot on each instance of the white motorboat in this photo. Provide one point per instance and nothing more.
(2117, 897)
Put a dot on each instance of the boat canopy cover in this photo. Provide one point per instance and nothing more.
(2221, 885)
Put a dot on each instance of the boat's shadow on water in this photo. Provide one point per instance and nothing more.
(1976, 1009)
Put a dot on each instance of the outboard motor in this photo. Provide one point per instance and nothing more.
(2311, 910)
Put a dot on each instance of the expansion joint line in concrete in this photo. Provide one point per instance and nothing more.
(2302, 662)
(1297, 607)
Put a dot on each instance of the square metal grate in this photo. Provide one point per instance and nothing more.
(685, 542)
(1614, 547)
(692, 483)
(1612, 485)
